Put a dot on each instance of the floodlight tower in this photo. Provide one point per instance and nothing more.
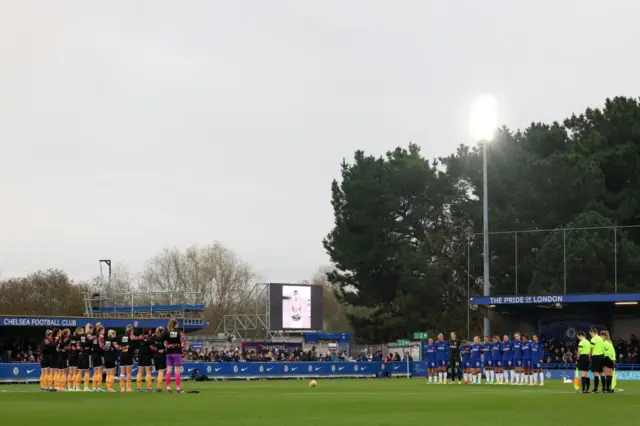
(483, 124)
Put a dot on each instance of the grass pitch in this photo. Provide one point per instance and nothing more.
(344, 402)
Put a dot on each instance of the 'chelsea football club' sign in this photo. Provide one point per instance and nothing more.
(51, 322)
(38, 322)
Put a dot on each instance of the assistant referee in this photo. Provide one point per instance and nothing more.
(597, 357)
(609, 362)
(584, 353)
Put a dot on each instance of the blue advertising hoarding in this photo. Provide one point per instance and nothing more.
(282, 370)
(29, 372)
(316, 337)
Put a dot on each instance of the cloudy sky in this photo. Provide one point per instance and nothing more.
(130, 126)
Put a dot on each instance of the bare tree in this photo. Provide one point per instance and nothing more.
(217, 273)
(48, 292)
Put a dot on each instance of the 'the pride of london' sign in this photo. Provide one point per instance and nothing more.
(556, 298)
(516, 300)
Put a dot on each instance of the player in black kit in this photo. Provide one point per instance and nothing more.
(84, 359)
(97, 354)
(63, 359)
(454, 358)
(110, 358)
(145, 364)
(47, 347)
(55, 364)
(73, 360)
(159, 356)
(126, 359)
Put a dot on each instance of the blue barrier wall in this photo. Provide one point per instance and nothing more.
(19, 372)
(276, 370)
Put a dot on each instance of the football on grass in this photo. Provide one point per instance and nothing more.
(313, 384)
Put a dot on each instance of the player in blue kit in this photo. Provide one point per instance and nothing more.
(516, 346)
(476, 361)
(465, 354)
(487, 361)
(507, 359)
(432, 366)
(496, 352)
(442, 359)
(537, 356)
(526, 378)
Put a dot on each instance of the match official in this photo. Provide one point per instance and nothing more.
(609, 362)
(454, 358)
(597, 357)
(584, 353)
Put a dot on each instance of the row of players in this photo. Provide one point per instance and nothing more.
(68, 358)
(516, 362)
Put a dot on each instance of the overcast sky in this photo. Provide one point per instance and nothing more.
(130, 126)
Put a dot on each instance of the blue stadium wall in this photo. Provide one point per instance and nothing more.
(71, 322)
(275, 370)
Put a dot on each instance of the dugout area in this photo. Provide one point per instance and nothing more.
(561, 316)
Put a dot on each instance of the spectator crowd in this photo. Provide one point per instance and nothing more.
(564, 352)
(556, 352)
(273, 354)
(19, 351)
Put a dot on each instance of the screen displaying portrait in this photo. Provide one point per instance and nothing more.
(296, 307)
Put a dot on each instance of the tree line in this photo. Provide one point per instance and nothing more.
(220, 279)
(406, 241)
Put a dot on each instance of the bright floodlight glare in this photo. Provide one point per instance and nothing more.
(484, 118)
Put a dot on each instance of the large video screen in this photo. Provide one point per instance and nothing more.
(295, 307)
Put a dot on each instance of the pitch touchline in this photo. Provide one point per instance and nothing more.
(311, 393)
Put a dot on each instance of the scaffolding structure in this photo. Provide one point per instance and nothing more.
(252, 321)
(105, 302)
(146, 305)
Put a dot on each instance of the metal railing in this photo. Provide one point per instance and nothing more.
(96, 302)
(529, 242)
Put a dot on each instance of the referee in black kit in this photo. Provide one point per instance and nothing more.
(454, 358)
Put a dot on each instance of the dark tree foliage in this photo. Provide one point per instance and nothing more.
(48, 292)
(392, 243)
(404, 224)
